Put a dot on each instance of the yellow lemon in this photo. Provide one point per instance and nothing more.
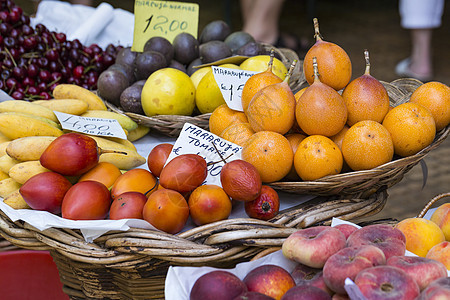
(259, 63)
(168, 91)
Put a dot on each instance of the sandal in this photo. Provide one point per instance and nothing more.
(402, 69)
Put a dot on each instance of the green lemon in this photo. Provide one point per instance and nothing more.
(168, 91)
(259, 63)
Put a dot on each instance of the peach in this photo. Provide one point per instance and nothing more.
(386, 282)
(437, 290)
(421, 235)
(387, 238)
(423, 270)
(348, 262)
(441, 216)
(306, 293)
(252, 296)
(304, 275)
(346, 229)
(217, 285)
(209, 203)
(270, 280)
(314, 245)
(441, 252)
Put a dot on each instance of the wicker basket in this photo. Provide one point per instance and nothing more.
(133, 264)
(367, 181)
(171, 125)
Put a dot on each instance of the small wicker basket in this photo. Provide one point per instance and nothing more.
(171, 125)
(133, 264)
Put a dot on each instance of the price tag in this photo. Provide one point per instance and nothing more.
(91, 126)
(231, 82)
(163, 18)
(195, 140)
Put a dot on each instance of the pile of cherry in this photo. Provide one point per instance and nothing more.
(34, 60)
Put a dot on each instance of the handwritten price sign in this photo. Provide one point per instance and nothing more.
(91, 126)
(195, 140)
(231, 82)
(163, 18)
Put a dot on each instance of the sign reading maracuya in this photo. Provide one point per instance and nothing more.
(231, 82)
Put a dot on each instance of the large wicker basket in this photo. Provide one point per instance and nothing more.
(171, 125)
(133, 264)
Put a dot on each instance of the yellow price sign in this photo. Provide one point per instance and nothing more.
(163, 18)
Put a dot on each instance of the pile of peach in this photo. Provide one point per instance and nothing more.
(373, 257)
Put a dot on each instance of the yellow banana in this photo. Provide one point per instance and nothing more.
(29, 147)
(105, 143)
(3, 138)
(131, 160)
(68, 106)
(16, 125)
(73, 91)
(23, 171)
(6, 162)
(16, 201)
(3, 147)
(124, 121)
(7, 186)
(138, 133)
(123, 142)
(22, 106)
(3, 175)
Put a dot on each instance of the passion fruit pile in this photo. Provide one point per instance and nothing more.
(123, 82)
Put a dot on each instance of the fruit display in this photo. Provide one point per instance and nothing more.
(332, 126)
(33, 61)
(322, 258)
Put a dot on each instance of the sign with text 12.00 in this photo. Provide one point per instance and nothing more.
(163, 18)
(195, 140)
(231, 83)
(91, 126)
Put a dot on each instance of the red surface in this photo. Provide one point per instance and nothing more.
(27, 274)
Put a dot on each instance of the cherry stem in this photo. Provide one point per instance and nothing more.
(317, 34)
(366, 57)
(10, 55)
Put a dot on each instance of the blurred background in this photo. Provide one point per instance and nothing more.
(355, 25)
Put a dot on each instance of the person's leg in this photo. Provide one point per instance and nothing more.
(260, 19)
(421, 55)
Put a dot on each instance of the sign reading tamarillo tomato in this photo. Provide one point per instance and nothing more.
(163, 18)
(215, 150)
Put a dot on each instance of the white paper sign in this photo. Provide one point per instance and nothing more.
(195, 140)
(91, 126)
(231, 82)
